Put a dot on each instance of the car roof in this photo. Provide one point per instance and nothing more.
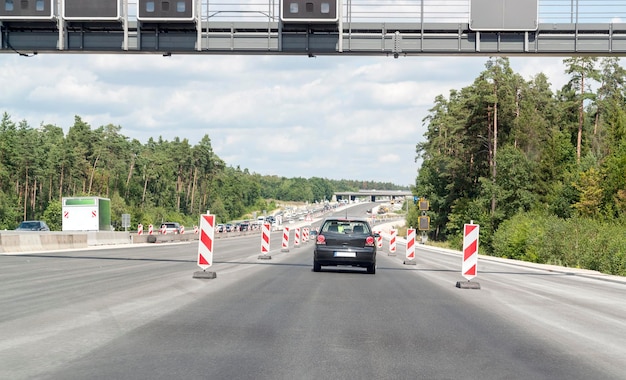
(348, 219)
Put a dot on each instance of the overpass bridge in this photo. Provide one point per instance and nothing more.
(394, 28)
(373, 195)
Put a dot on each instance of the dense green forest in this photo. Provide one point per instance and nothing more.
(544, 174)
(154, 181)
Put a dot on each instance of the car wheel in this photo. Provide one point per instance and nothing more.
(316, 266)
(371, 269)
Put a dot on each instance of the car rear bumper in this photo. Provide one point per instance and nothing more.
(341, 256)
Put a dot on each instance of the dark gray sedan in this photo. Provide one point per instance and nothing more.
(33, 225)
(345, 241)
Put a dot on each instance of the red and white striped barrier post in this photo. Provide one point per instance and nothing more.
(195, 230)
(392, 242)
(469, 269)
(140, 229)
(296, 238)
(379, 240)
(305, 234)
(163, 229)
(205, 246)
(285, 246)
(410, 247)
(265, 241)
(182, 230)
(150, 229)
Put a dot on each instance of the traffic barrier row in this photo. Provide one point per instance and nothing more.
(166, 238)
(16, 242)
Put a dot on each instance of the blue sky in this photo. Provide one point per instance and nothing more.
(333, 117)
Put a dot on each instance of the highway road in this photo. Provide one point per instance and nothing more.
(137, 313)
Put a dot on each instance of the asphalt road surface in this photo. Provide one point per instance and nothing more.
(137, 313)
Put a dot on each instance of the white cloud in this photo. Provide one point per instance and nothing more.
(334, 117)
(552, 67)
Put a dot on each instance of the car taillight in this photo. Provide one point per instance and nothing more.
(321, 239)
(369, 241)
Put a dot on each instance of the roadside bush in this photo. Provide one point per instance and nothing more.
(519, 237)
(576, 242)
(555, 240)
(601, 247)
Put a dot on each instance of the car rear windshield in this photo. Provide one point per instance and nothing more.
(29, 225)
(346, 227)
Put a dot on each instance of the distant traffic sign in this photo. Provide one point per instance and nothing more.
(424, 205)
(424, 222)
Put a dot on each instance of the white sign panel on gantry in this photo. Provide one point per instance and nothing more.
(504, 15)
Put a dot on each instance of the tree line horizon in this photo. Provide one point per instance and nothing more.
(155, 181)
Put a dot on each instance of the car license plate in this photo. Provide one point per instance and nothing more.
(345, 254)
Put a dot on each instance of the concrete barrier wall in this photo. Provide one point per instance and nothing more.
(15, 242)
(108, 238)
(9, 243)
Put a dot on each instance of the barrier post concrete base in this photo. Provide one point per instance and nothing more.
(204, 275)
(467, 285)
(264, 257)
(410, 262)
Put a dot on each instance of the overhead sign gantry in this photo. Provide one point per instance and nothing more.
(312, 27)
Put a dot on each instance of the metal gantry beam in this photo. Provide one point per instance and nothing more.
(362, 27)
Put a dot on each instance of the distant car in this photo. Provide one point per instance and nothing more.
(345, 241)
(220, 228)
(171, 227)
(229, 227)
(244, 226)
(33, 225)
